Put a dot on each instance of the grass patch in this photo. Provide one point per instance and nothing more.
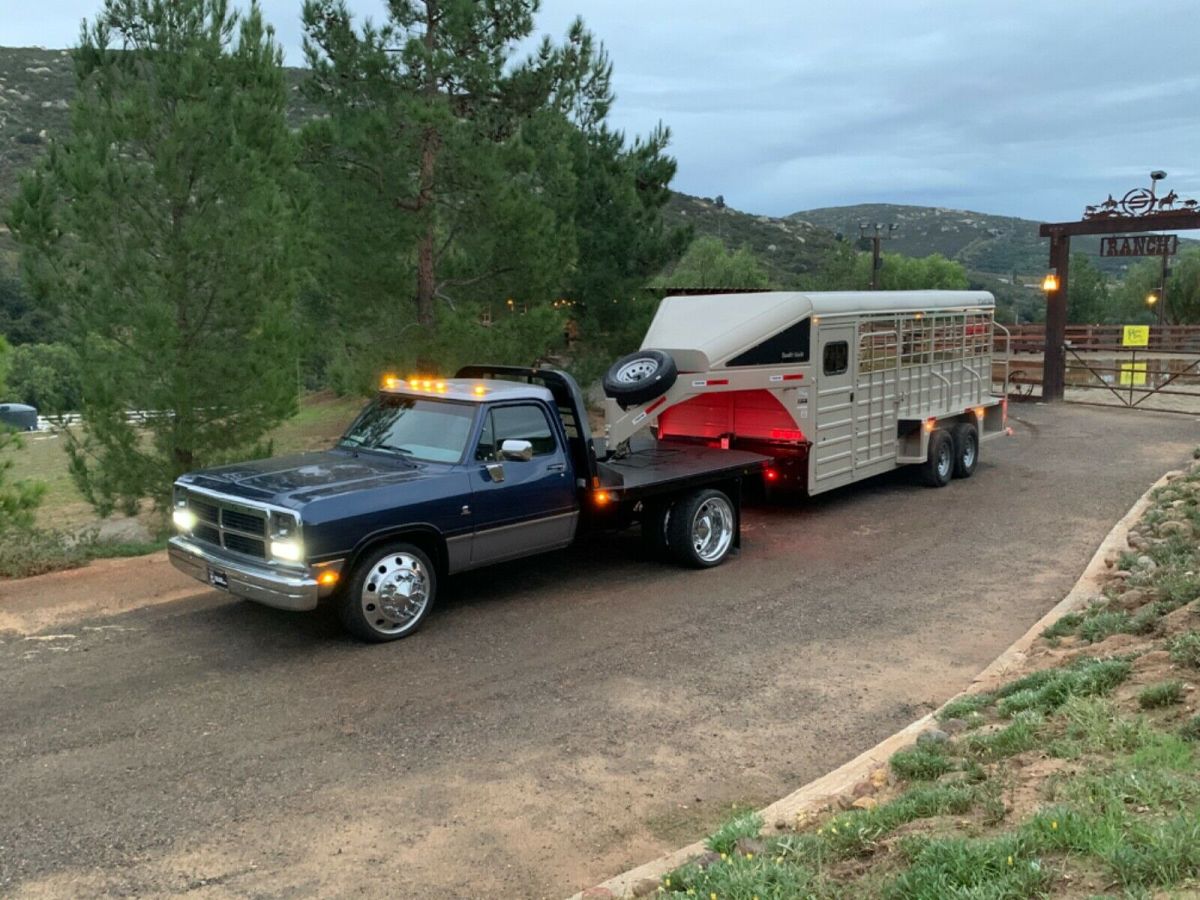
(27, 552)
(1165, 693)
(1066, 625)
(1053, 687)
(960, 867)
(964, 707)
(1179, 588)
(746, 825)
(924, 762)
(1191, 730)
(1100, 625)
(1185, 649)
(1093, 725)
(1016, 738)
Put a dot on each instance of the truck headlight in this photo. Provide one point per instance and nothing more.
(184, 518)
(289, 551)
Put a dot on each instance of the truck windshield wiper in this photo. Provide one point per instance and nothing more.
(402, 450)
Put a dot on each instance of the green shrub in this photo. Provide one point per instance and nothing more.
(1163, 694)
(47, 376)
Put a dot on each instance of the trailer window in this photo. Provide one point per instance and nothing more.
(837, 357)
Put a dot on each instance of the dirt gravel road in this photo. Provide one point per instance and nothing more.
(557, 720)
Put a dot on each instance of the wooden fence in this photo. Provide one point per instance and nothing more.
(1163, 338)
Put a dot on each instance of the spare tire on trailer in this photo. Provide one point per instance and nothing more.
(640, 377)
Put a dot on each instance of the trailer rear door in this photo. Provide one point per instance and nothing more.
(833, 449)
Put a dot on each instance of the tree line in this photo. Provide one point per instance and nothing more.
(196, 256)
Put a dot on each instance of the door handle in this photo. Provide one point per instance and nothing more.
(556, 467)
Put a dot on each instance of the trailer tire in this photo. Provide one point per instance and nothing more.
(395, 614)
(702, 528)
(640, 377)
(966, 449)
(655, 518)
(938, 468)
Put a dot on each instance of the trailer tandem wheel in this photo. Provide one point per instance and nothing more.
(966, 449)
(938, 468)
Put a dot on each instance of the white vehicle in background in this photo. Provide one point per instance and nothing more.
(834, 387)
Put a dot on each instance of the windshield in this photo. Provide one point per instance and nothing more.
(430, 430)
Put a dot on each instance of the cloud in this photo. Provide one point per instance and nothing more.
(1026, 107)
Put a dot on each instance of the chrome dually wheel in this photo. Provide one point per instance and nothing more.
(390, 593)
(702, 528)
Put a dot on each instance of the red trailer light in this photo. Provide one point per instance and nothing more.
(787, 434)
(771, 474)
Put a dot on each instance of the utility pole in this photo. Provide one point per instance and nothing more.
(875, 233)
(1162, 290)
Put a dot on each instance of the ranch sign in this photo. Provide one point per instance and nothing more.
(1140, 245)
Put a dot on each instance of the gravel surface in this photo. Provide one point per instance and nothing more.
(557, 720)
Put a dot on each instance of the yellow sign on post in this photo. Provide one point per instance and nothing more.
(1136, 336)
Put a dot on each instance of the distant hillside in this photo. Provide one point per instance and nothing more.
(999, 245)
(36, 88)
(789, 249)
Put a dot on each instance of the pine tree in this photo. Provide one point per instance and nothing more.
(165, 231)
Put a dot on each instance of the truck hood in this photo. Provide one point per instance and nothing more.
(295, 480)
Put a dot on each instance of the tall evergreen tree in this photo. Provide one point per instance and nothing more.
(165, 231)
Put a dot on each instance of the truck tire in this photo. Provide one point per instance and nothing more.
(655, 517)
(701, 528)
(938, 468)
(639, 377)
(966, 449)
(389, 594)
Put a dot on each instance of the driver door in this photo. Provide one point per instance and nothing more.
(521, 507)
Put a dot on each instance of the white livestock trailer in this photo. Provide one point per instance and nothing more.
(835, 387)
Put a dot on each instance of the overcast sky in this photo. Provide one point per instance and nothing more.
(1020, 107)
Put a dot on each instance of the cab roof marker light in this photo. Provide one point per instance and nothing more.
(479, 390)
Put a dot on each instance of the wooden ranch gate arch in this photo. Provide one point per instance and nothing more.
(1139, 211)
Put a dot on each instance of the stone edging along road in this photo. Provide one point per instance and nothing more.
(826, 789)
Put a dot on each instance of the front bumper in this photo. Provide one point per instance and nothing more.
(260, 583)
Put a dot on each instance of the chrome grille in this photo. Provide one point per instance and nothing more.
(229, 524)
(205, 511)
(240, 521)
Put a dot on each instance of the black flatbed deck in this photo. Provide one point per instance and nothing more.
(666, 465)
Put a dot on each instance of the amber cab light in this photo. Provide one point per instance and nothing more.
(328, 578)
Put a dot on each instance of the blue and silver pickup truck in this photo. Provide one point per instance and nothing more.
(438, 477)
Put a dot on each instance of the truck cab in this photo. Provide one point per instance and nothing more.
(436, 477)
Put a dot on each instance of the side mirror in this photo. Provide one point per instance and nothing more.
(517, 451)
